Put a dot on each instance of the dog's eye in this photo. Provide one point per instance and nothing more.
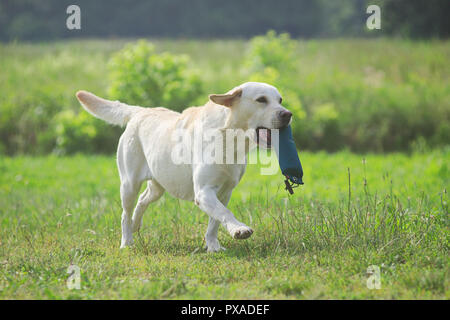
(281, 100)
(262, 99)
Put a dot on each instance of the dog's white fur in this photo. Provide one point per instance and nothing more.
(145, 148)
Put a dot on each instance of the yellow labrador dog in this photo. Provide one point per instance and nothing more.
(146, 150)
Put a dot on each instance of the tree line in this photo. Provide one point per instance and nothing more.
(46, 19)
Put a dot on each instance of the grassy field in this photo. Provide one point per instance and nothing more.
(354, 211)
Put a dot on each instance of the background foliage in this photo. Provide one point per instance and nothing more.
(363, 95)
(142, 77)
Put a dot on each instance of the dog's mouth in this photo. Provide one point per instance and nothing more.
(263, 137)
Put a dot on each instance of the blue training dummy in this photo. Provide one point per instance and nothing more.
(288, 159)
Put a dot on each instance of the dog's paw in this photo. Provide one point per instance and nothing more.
(214, 246)
(241, 232)
(126, 243)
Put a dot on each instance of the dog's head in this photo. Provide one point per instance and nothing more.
(255, 105)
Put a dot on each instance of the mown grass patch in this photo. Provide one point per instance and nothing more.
(318, 243)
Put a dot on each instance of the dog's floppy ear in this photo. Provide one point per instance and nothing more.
(226, 99)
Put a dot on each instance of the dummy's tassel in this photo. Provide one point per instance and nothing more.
(288, 186)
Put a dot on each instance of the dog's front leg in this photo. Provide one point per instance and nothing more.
(206, 199)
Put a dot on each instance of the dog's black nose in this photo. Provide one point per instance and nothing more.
(285, 116)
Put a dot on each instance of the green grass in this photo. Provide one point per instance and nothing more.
(57, 211)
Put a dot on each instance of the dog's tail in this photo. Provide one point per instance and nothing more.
(113, 112)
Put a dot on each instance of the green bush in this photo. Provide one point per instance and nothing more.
(142, 77)
(24, 122)
(81, 132)
(271, 59)
(139, 76)
(272, 50)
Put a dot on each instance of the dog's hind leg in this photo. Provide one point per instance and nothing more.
(152, 193)
(128, 193)
(133, 170)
